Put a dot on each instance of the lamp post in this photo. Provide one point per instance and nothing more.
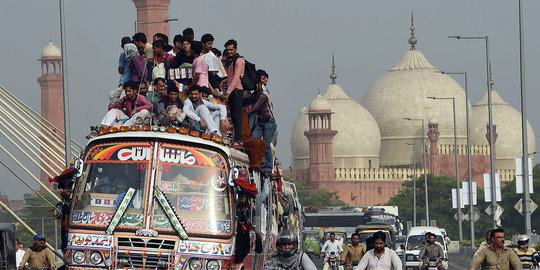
(490, 124)
(163, 21)
(425, 168)
(414, 182)
(457, 164)
(525, 159)
(67, 128)
(471, 206)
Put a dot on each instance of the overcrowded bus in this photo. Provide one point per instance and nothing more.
(147, 198)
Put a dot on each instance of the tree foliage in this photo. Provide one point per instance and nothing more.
(315, 197)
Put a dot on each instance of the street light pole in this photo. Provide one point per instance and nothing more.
(425, 166)
(67, 131)
(490, 127)
(414, 182)
(471, 206)
(163, 21)
(458, 193)
(525, 159)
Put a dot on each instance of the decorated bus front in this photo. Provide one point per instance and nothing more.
(156, 204)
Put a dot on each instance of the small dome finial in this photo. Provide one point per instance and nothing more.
(412, 39)
(333, 76)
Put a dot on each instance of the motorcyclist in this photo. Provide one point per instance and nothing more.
(329, 246)
(431, 251)
(288, 256)
(527, 256)
(353, 253)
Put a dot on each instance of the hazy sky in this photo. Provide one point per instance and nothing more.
(292, 40)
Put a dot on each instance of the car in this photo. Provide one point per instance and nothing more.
(415, 242)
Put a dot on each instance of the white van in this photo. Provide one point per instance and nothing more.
(414, 244)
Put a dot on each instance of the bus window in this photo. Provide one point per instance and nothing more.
(194, 181)
(110, 170)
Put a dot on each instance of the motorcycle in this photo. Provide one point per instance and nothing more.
(351, 265)
(333, 261)
(431, 264)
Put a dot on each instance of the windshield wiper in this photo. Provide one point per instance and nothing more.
(170, 213)
(121, 210)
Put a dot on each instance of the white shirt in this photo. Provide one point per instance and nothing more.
(330, 246)
(389, 261)
(18, 256)
(211, 60)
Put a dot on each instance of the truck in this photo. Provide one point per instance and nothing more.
(148, 197)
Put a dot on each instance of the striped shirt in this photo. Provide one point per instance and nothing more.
(526, 257)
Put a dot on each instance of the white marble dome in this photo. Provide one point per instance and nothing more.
(319, 104)
(403, 93)
(357, 143)
(51, 51)
(508, 123)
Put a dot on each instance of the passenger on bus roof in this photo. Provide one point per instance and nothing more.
(216, 110)
(212, 63)
(200, 70)
(123, 65)
(165, 38)
(177, 43)
(263, 113)
(235, 91)
(169, 108)
(126, 110)
(188, 34)
(198, 110)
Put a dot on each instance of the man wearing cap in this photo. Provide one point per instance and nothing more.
(38, 255)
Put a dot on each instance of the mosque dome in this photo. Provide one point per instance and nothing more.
(51, 51)
(319, 104)
(403, 93)
(508, 124)
(357, 142)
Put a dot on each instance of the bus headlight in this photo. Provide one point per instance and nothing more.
(96, 257)
(78, 256)
(195, 264)
(212, 265)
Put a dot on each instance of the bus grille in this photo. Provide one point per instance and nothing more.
(139, 253)
(133, 242)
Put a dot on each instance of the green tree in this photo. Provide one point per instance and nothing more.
(315, 197)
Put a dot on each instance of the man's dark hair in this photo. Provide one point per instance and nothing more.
(205, 90)
(139, 37)
(158, 79)
(379, 235)
(332, 234)
(196, 46)
(171, 86)
(231, 42)
(207, 37)
(261, 72)
(162, 37)
(159, 44)
(216, 52)
(494, 231)
(188, 32)
(355, 234)
(131, 84)
(195, 88)
(125, 40)
(177, 38)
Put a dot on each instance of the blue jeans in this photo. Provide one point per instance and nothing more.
(266, 132)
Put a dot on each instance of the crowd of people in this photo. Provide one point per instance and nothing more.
(193, 84)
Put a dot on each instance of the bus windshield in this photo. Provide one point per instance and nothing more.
(110, 170)
(194, 181)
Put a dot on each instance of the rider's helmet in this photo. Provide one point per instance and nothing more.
(287, 237)
(523, 241)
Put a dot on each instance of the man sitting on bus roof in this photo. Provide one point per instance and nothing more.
(126, 110)
(199, 110)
